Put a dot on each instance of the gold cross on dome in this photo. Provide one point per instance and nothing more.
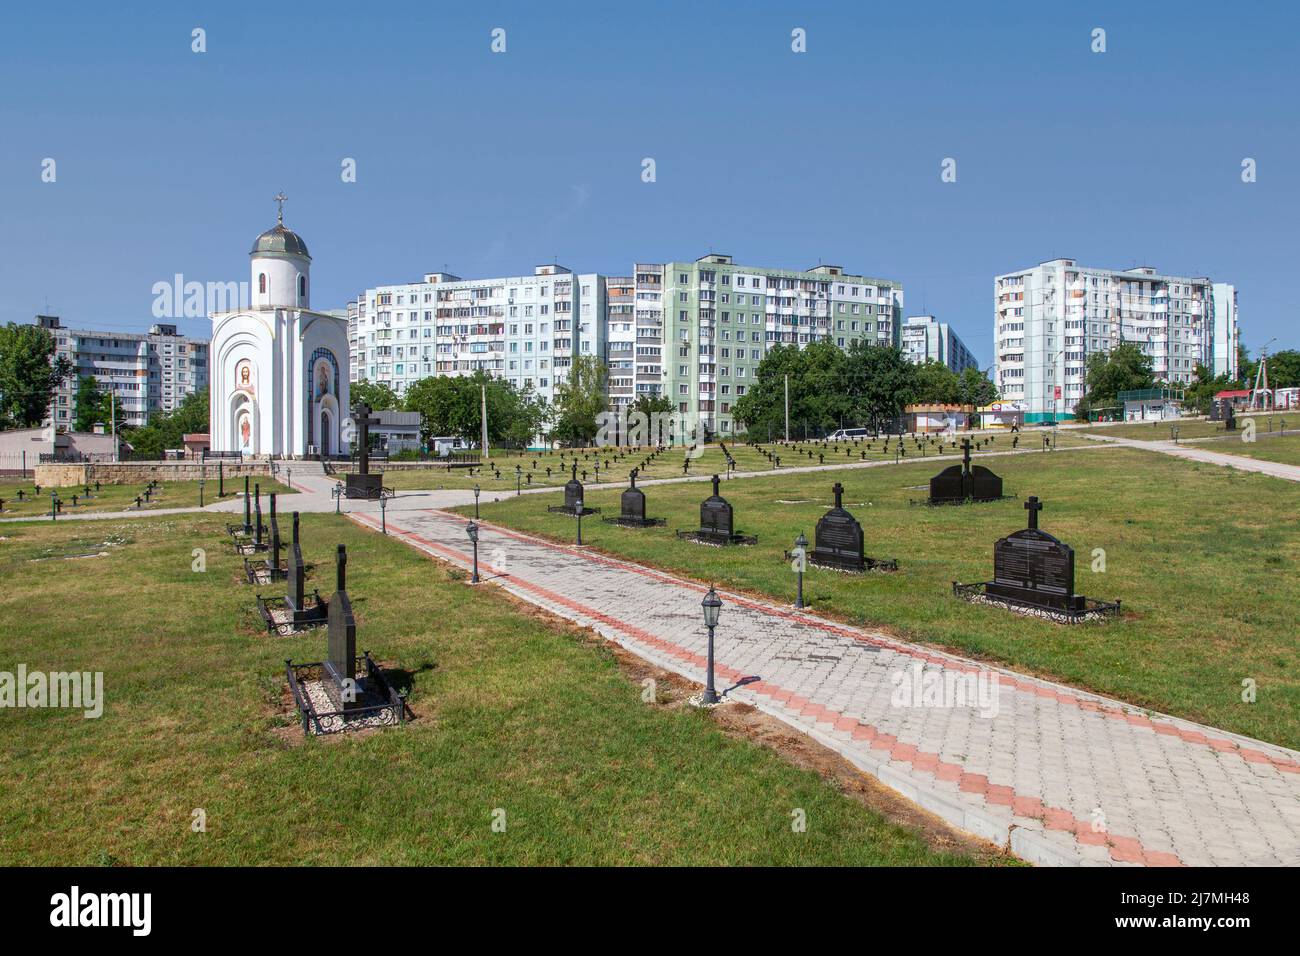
(280, 198)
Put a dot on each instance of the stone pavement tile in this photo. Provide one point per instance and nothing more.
(1061, 776)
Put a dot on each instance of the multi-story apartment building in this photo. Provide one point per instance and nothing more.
(719, 320)
(691, 331)
(1050, 318)
(147, 373)
(1225, 330)
(620, 339)
(526, 329)
(927, 339)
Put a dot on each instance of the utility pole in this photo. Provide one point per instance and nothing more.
(483, 420)
(787, 408)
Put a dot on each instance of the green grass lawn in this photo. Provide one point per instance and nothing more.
(168, 494)
(1160, 431)
(669, 464)
(1275, 447)
(513, 713)
(1203, 558)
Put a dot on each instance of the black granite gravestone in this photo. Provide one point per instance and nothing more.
(573, 493)
(362, 484)
(1229, 417)
(958, 484)
(344, 688)
(275, 542)
(632, 507)
(717, 522)
(838, 541)
(1034, 571)
(1033, 568)
(295, 574)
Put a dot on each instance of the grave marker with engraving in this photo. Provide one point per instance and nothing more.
(1034, 571)
(838, 541)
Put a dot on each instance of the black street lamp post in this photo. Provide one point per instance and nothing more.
(578, 508)
(336, 493)
(383, 511)
(201, 484)
(472, 531)
(712, 606)
(476, 491)
(519, 471)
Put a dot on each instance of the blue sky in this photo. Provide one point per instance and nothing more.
(486, 164)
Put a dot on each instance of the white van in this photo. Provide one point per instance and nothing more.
(848, 434)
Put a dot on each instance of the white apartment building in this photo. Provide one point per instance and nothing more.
(526, 329)
(925, 339)
(147, 373)
(1050, 318)
(1225, 330)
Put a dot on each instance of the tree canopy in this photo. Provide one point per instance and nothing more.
(867, 385)
(579, 399)
(29, 374)
(1124, 368)
(165, 430)
(90, 406)
(452, 405)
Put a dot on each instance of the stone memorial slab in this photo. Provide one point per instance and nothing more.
(1033, 572)
(962, 484)
(717, 523)
(838, 542)
(573, 493)
(632, 507)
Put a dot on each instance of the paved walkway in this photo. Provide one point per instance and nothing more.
(1059, 775)
(1193, 453)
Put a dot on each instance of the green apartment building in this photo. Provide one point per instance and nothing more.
(719, 319)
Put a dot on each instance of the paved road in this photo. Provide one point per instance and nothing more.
(1059, 775)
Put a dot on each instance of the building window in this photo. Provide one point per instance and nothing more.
(302, 289)
(261, 283)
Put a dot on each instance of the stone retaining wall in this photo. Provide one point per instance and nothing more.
(65, 475)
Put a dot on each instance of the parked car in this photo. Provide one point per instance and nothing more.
(848, 434)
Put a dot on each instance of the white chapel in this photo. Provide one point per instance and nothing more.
(279, 371)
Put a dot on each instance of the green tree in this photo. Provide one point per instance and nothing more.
(936, 384)
(165, 430)
(29, 374)
(878, 382)
(1201, 392)
(1125, 368)
(1284, 369)
(817, 399)
(90, 406)
(976, 388)
(452, 405)
(578, 400)
(379, 396)
(651, 404)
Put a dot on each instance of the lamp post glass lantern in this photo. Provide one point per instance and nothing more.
(712, 606)
(472, 530)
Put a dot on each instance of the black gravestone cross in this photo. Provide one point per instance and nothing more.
(341, 682)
